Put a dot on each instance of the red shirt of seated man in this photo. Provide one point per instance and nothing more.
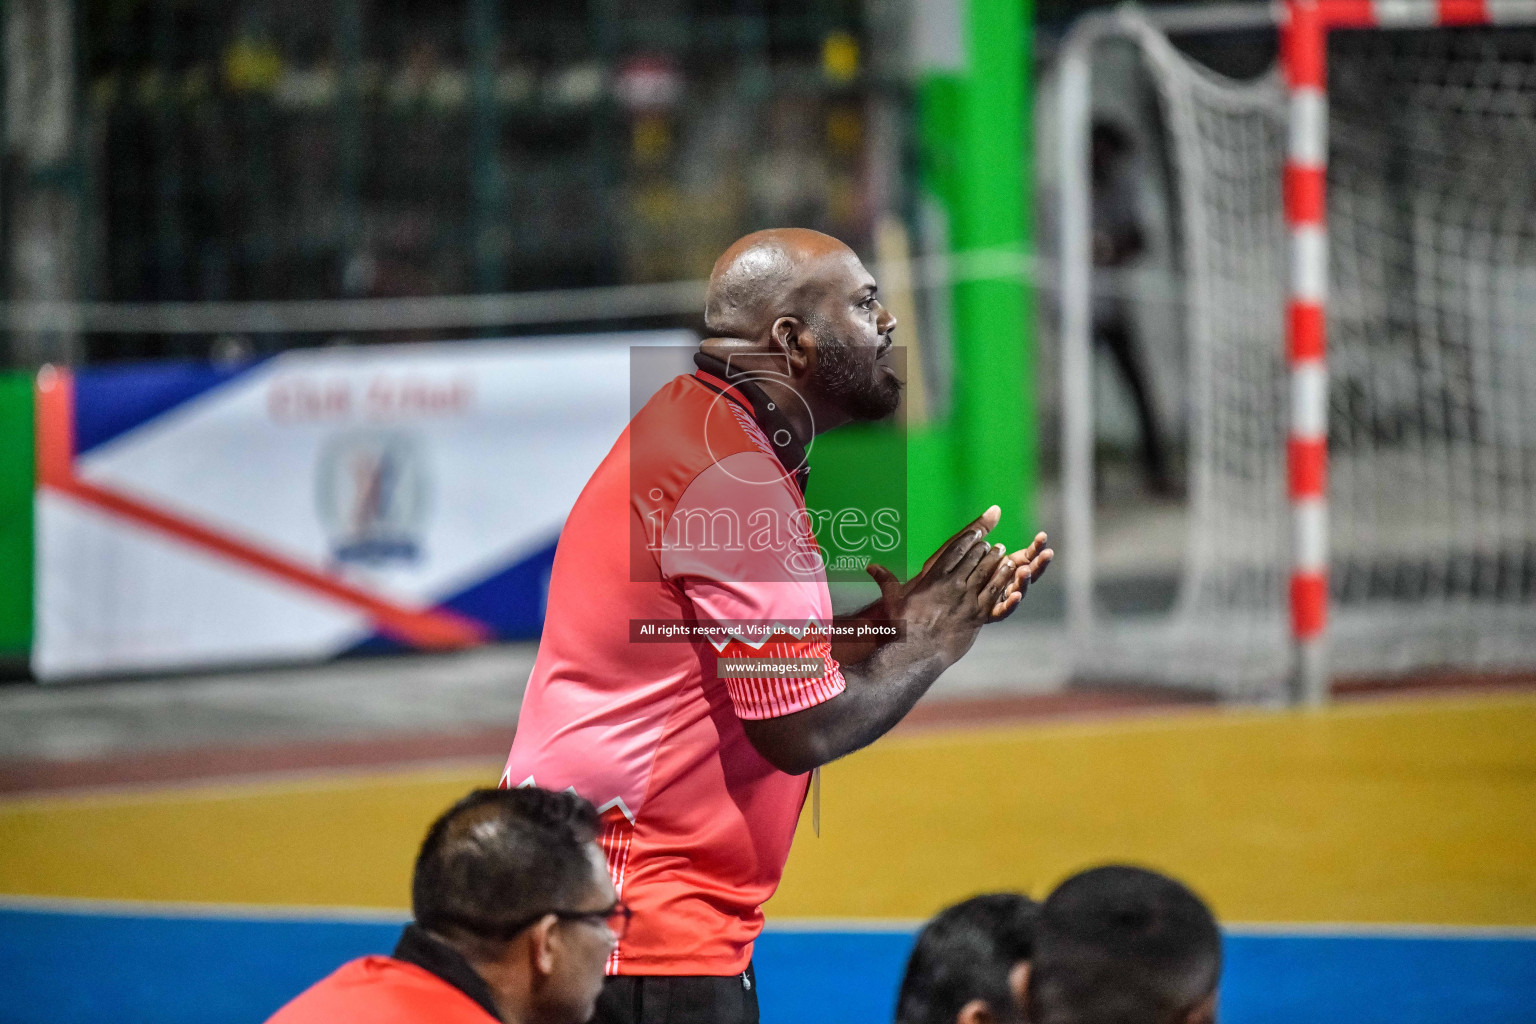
(514, 919)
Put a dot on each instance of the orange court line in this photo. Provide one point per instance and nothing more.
(275, 755)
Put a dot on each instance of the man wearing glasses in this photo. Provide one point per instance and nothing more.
(515, 917)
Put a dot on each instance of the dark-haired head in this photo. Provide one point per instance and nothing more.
(1123, 945)
(500, 855)
(970, 962)
(513, 880)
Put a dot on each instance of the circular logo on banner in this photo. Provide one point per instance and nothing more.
(371, 493)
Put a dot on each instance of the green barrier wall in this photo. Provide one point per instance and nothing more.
(975, 153)
(16, 484)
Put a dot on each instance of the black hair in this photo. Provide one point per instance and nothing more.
(499, 857)
(1122, 945)
(967, 952)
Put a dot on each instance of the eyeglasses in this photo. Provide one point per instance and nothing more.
(616, 917)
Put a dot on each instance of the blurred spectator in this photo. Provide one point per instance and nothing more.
(514, 920)
(971, 963)
(1122, 945)
(789, 179)
(271, 151)
(1118, 239)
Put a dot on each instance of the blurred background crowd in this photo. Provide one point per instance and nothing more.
(277, 149)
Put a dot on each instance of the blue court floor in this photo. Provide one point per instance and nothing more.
(87, 967)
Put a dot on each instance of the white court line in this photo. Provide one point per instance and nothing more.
(863, 925)
(791, 925)
(281, 781)
(198, 911)
(1346, 930)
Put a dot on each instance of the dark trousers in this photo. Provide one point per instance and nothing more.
(646, 999)
(1114, 332)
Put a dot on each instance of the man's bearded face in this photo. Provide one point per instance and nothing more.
(856, 378)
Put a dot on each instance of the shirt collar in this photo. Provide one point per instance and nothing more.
(787, 444)
(419, 947)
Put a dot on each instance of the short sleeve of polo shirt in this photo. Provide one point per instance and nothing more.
(737, 547)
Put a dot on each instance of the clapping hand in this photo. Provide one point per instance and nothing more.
(1011, 578)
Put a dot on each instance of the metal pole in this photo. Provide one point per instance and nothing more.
(1075, 102)
(483, 35)
(43, 194)
(1304, 52)
(349, 142)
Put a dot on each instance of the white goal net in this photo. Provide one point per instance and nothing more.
(1431, 313)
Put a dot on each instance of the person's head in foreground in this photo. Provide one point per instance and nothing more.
(1123, 945)
(971, 963)
(799, 305)
(515, 918)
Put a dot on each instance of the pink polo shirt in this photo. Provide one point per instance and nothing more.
(690, 518)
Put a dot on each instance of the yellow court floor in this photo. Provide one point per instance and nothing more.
(1385, 811)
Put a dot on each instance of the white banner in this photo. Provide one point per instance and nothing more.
(314, 503)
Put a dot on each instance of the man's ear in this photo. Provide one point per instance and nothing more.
(788, 335)
(1018, 984)
(975, 1012)
(543, 940)
(1203, 1012)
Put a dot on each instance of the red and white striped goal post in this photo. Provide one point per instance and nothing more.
(1305, 25)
